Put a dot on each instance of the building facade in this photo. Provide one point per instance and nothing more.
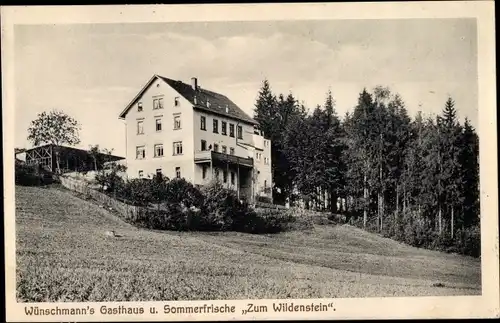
(182, 130)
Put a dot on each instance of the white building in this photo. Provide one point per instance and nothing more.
(183, 130)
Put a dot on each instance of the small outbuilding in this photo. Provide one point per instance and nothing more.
(70, 159)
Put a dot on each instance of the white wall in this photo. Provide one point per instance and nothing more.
(167, 136)
(218, 138)
(264, 171)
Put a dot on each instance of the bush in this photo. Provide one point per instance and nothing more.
(170, 217)
(137, 191)
(109, 177)
(178, 191)
(32, 175)
(179, 205)
(263, 199)
(337, 218)
(267, 221)
(468, 241)
(222, 210)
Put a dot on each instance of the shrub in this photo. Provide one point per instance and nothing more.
(266, 221)
(178, 191)
(137, 191)
(337, 218)
(221, 208)
(170, 217)
(468, 241)
(177, 203)
(263, 199)
(32, 175)
(110, 177)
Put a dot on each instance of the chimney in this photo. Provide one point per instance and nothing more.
(194, 83)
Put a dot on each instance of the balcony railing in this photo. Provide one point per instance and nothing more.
(208, 155)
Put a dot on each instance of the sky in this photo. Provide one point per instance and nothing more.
(92, 71)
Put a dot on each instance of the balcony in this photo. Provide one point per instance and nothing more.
(208, 156)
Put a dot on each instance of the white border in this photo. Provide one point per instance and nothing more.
(486, 305)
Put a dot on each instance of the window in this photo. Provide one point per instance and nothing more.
(203, 145)
(216, 173)
(140, 152)
(216, 148)
(224, 176)
(158, 103)
(240, 132)
(176, 101)
(216, 126)
(265, 184)
(159, 150)
(203, 123)
(231, 130)
(224, 128)
(204, 172)
(257, 155)
(158, 172)
(224, 149)
(232, 178)
(178, 148)
(141, 174)
(140, 127)
(266, 160)
(158, 124)
(231, 151)
(178, 172)
(139, 106)
(177, 122)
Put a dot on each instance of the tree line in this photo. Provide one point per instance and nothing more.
(391, 173)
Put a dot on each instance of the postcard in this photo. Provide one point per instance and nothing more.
(252, 161)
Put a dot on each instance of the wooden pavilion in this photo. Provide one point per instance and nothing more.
(70, 159)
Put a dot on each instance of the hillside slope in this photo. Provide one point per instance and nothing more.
(64, 255)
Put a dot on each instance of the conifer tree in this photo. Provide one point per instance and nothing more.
(469, 162)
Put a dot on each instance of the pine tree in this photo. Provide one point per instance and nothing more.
(334, 147)
(397, 138)
(469, 162)
(265, 110)
(450, 131)
(361, 139)
(274, 116)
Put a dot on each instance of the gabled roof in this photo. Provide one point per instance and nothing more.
(217, 103)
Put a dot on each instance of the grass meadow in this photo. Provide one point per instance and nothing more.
(63, 254)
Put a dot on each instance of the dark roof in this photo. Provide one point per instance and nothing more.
(217, 102)
(76, 150)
